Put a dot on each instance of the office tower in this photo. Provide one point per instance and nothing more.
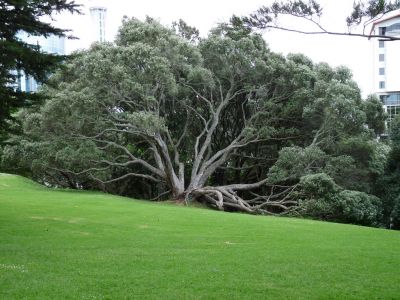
(98, 17)
(386, 64)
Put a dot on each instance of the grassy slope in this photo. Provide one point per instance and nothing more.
(84, 245)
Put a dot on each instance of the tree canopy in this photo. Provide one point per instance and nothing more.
(16, 55)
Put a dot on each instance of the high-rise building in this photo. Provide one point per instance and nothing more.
(52, 44)
(98, 13)
(386, 64)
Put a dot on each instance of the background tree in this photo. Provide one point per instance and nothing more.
(16, 55)
(363, 14)
(376, 115)
(186, 31)
(387, 186)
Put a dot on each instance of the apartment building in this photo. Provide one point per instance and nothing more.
(386, 64)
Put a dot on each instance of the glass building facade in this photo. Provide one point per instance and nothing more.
(391, 103)
(52, 44)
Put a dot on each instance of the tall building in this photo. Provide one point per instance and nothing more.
(52, 44)
(386, 64)
(98, 13)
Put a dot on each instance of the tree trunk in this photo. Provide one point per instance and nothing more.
(178, 193)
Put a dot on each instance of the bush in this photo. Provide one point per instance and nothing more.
(317, 196)
(359, 208)
(318, 185)
(323, 199)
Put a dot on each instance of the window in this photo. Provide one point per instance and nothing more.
(381, 71)
(395, 28)
(382, 30)
(381, 84)
(392, 112)
(381, 44)
(381, 57)
(393, 99)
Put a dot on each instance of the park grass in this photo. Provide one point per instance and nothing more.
(61, 244)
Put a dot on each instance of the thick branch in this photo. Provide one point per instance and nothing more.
(381, 37)
(149, 177)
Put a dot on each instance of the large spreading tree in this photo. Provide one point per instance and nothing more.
(222, 120)
(17, 56)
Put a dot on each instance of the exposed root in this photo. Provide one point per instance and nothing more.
(223, 197)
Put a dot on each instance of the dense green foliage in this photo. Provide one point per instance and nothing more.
(63, 244)
(388, 185)
(25, 16)
(375, 113)
(323, 199)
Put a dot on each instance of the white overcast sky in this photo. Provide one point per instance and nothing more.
(355, 53)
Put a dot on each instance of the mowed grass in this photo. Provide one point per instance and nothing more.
(58, 244)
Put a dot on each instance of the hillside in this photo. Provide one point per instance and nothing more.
(59, 244)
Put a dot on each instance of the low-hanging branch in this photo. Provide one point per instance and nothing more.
(268, 17)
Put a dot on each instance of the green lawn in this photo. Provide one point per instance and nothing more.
(57, 244)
